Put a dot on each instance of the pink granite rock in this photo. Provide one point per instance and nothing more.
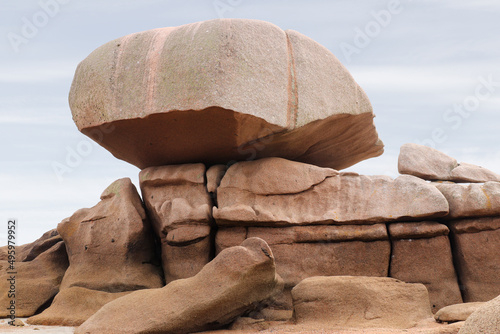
(433, 165)
(179, 206)
(278, 192)
(222, 90)
(471, 200)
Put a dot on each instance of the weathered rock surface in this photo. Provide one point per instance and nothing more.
(471, 200)
(242, 89)
(360, 302)
(180, 207)
(72, 306)
(457, 312)
(433, 165)
(475, 249)
(224, 289)
(279, 192)
(28, 252)
(36, 281)
(485, 320)
(305, 251)
(421, 253)
(110, 246)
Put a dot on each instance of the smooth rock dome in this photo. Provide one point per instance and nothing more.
(219, 91)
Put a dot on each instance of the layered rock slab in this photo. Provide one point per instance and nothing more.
(242, 89)
(305, 251)
(110, 246)
(359, 302)
(279, 192)
(179, 206)
(421, 253)
(27, 252)
(433, 165)
(36, 282)
(476, 242)
(224, 289)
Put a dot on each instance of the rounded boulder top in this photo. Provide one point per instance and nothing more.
(219, 91)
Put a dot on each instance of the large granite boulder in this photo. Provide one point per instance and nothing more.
(421, 253)
(180, 209)
(233, 283)
(36, 282)
(279, 192)
(360, 302)
(476, 252)
(222, 90)
(433, 165)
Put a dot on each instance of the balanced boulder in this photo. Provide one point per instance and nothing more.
(231, 284)
(219, 91)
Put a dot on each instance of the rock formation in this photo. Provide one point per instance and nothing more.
(421, 253)
(36, 281)
(240, 129)
(277, 192)
(111, 250)
(242, 89)
(231, 284)
(180, 209)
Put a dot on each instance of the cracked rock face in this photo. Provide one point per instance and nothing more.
(219, 91)
(179, 206)
(110, 246)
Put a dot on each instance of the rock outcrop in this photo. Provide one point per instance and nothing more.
(485, 319)
(433, 165)
(110, 246)
(421, 253)
(237, 279)
(360, 302)
(36, 282)
(242, 89)
(180, 208)
(110, 249)
(278, 192)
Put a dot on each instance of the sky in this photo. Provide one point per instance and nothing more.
(431, 70)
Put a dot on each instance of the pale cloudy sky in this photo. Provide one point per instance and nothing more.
(430, 68)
